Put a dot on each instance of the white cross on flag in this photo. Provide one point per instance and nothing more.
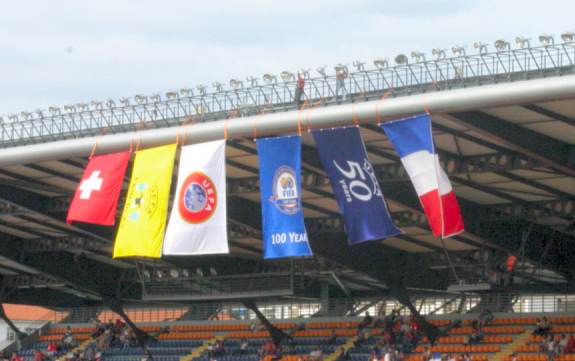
(94, 183)
(96, 198)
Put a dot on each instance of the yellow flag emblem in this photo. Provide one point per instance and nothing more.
(143, 222)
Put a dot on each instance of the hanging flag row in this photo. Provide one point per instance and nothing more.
(198, 218)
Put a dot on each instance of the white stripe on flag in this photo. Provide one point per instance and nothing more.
(198, 219)
(443, 180)
(420, 167)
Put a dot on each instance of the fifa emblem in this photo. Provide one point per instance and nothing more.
(285, 192)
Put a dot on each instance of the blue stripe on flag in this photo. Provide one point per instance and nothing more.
(410, 135)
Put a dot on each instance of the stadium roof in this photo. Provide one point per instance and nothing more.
(512, 167)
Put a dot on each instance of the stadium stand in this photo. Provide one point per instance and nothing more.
(506, 339)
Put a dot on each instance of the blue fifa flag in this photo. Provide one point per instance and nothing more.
(280, 189)
(355, 185)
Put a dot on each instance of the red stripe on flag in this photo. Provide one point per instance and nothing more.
(447, 223)
(432, 207)
(453, 222)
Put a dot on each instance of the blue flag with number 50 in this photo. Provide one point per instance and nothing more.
(280, 189)
(353, 181)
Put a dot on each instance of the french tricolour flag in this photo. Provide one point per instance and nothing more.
(413, 141)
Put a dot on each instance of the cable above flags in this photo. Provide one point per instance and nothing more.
(198, 220)
(353, 181)
(413, 141)
(96, 198)
(284, 230)
(141, 229)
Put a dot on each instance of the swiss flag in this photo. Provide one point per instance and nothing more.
(96, 198)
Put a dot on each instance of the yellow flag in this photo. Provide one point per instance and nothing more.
(143, 220)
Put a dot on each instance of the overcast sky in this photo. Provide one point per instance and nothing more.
(59, 52)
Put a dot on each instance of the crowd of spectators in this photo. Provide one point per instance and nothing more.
(395, 336)
(54, 349)
(388, 338)
(106, 335)
(550, 345)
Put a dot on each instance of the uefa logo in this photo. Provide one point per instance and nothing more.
(198, 198)
(285, 192)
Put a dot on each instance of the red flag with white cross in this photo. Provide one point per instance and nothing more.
(96, 198)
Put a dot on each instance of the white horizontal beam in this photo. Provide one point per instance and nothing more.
(521, 92)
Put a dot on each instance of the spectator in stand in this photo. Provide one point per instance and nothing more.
(375, 352)
(485, 317)
(99, 329)
(332, 339)
(413, 324)
(475, 337)
(103, 340)
(125, 337)
(89, 353)
(68, 339)
(542, 327)
(466, 357)
(561, 345)
(436, 356)
(451, 357)
(243, 346)
(119, 325)
(15, 357)
(220, 348)
(360, 339)
(290, 346)
(98, 356)
(269, 348)
(387, 355)
(299, 89)
(426, 354)
(404, 326)
(388, 337)
(511, 259)
(211, 350)
(315, 354)
(253, 327)
(550, 348)
(410, 342)
(52, 349)
(38, 355)
(570, 345)
(366, 322)
(343, 355)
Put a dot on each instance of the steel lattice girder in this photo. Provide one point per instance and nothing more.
(363, 84)
(552, 152)
(534, 91)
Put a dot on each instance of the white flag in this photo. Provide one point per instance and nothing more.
(198, 220)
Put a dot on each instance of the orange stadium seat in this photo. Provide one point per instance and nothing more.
(187, 336)
(528, 348)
